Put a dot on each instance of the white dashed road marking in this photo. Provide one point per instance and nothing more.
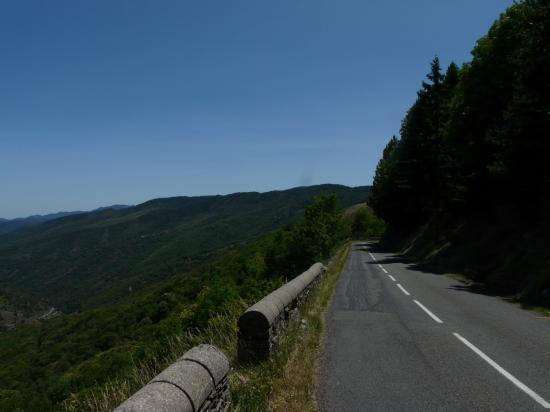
(430, 314)
(545, 404)
(504, 372)
(403, 290)
(382, 267)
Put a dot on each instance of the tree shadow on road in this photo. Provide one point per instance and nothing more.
(464, 281)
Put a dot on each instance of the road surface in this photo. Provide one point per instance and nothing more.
(400, 339)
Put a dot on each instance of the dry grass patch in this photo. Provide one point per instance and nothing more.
(221, 332)
(293, 389)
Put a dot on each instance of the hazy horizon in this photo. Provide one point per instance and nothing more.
(90, 209)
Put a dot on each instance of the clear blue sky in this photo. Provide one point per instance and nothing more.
(108, 102)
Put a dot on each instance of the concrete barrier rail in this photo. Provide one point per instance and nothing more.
(196, 382)
(260, 326)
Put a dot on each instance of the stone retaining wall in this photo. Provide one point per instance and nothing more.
(262, 324)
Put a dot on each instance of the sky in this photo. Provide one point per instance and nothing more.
(118, 102)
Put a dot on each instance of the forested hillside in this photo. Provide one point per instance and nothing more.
(65, 362)
(467, 182)
(81, 261)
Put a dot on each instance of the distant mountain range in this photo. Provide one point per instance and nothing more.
(10, 225)
(84, 260)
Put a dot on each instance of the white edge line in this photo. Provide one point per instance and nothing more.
(403, 290)
(392, 278)
(430, 314)
(504, 372)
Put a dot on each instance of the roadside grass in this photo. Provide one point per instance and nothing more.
(287, 381)
(221, 331)
(539, 310)
(460, 277)
(294, 390)
(284, 382)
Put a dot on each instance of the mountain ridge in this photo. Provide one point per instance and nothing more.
(10, 225)
(89, 259)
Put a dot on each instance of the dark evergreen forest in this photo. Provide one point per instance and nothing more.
(469, 173)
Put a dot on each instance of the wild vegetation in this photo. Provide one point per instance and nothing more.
(364, 224)
(86, 260)
(94, 359)
(468, 177)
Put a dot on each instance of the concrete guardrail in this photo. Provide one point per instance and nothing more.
(261, 325)
(196, 382)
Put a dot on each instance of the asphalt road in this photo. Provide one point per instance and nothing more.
(403, 339)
